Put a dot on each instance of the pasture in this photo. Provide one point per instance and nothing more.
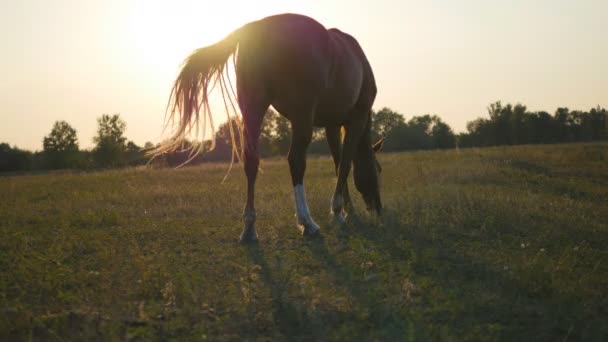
(505, 243)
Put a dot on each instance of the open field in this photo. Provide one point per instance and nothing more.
(478, 244)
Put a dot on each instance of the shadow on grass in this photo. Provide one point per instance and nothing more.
(482, 299)
(297, 318)
(376, 317)
(283, 309)
(459, 289)
(293, 316)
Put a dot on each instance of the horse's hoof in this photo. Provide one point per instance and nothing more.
(339, 218)
(249, 236)
(310, 229)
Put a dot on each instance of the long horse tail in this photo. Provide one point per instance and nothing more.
(188, 109)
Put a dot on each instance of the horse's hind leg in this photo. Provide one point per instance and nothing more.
(253, 113)
(354, 131)
(335, 145)
(301, 127)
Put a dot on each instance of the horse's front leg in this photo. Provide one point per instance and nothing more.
(301, 137)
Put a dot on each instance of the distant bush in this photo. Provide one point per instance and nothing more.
(14, 159)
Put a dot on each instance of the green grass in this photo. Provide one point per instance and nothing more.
(478, 244)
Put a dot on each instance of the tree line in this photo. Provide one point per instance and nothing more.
(61, 149)
(504, 125)
(515, 125)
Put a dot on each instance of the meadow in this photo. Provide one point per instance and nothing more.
(505, 243)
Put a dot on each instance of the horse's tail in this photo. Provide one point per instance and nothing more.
(204, 69)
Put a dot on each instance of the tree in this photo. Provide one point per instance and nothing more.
(319, 144)
(442, 134)
(517, 133)
(384, 121)
(511, 125)
(61, 139)
(275, 136)
(14, 159)
(282, 134)
(224, 144)
(134, 154)
(539, 128)
(61, 146)
(420, 128)
(500, 118)
(110, 143)
(563, 122)
(599, 122)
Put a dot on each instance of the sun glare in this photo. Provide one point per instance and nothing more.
(165, 32)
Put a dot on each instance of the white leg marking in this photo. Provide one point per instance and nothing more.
(303, 213)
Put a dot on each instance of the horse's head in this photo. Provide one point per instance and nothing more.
(366, 172)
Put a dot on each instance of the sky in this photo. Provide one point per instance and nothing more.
(75, 60)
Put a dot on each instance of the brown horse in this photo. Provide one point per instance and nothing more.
(310, 75)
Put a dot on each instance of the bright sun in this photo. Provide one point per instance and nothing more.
(162, 33)
(165, 32)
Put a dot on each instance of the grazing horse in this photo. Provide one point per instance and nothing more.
(313, 77)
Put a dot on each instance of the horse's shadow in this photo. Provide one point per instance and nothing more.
(295, 319)
(288, 315)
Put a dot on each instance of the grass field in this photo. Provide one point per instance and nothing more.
(479, 244)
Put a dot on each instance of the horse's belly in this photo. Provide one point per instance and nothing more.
(331, 114)
(339, 100)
